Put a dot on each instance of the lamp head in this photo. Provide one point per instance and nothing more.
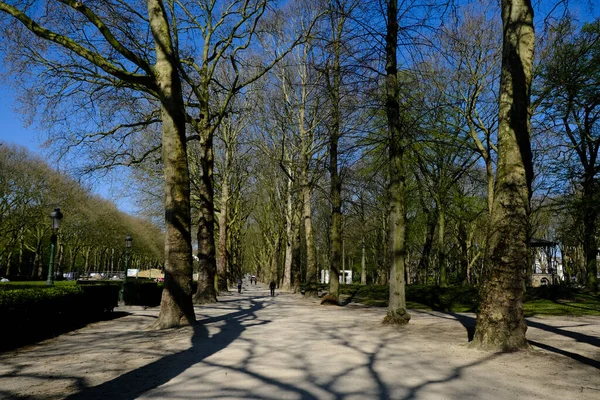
(56, 216)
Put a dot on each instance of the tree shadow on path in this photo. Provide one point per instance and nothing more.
(468, 323)
(134, 383)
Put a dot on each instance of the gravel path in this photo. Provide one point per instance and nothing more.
(252, 346)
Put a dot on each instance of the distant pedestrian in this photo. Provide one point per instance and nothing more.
(240, 285)
(253, 278)
(272, 287)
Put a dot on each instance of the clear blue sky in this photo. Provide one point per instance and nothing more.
(11, 126)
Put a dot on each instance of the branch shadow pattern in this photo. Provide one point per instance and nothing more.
(189, 373)
(134, 383)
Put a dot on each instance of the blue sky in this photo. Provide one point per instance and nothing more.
(12, 130)
(11, 126)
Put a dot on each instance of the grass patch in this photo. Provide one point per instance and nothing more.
(556, 300)
(579, 304)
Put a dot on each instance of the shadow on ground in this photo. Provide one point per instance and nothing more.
(468, 323)
(134, 383)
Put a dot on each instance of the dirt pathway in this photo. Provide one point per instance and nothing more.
(252, 346)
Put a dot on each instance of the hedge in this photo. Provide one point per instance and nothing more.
(35, 313)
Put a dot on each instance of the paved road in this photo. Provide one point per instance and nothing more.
(252, 346)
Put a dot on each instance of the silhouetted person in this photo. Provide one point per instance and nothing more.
(272, 287)
(240, 285)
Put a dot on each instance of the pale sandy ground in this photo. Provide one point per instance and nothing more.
(252, 346)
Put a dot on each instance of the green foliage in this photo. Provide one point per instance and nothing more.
(32, 312)
(92, 228)
(34, 285)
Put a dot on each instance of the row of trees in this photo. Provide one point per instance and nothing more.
(324, 129)
(91, 238)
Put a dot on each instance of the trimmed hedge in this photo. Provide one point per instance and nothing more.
(34, 313)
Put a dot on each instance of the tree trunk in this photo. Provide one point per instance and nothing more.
(397, 313)
(336, 213)
(223, 220)
(463, 240)
(337, 24)
(176, 306)
(311, 262)
(489, 172)
(500, 323)
(441, 247)
(423, 266)
(289, 236)
(589, 231)
(363, 264)
(207, 292)
(9, 264)
(86, 260)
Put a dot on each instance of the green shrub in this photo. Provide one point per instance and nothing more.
(40, 311)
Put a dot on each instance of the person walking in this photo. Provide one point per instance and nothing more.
(272, 287)
(239, 285)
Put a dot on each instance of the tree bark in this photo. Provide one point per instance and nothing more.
(589, 228)
(363, 264)
(223, 221)
(500, 322)
(176, 305)
(397, 313)
(311, 262)
(334, 82)
(289, 236)
(207, 292)
(441, 246)
(423, 266)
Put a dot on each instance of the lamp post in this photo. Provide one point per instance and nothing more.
(128, 243)
(55, 217)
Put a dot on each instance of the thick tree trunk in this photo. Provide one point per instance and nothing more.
(207, 292)
(397, 313)
(336, 215)
(176, 306)
(337, 25)
(500, 323)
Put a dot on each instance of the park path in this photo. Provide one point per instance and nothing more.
(252, 346)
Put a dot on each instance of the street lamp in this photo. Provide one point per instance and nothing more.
(55, 217)
(128, 243)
